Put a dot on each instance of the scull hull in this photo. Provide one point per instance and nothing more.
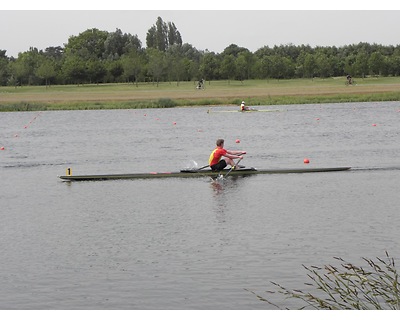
(236, 111)
(194, 174)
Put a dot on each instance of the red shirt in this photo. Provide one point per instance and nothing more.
(216, 155)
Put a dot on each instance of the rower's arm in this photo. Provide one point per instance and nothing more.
(236, 152)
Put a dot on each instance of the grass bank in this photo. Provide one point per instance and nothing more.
(182, 94)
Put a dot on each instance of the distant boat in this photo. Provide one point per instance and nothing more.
(245, 111)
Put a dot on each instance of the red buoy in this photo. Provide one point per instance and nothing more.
(237, 141)
(306, 160)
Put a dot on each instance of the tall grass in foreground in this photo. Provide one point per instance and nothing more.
(374, 287)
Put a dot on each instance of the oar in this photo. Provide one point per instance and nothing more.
(232, 168)
(194, 169)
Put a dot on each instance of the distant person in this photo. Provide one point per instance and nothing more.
(215, 161)
(200, 84)
(243, 107)
(349, 79)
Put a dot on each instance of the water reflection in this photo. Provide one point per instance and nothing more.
(224, 190)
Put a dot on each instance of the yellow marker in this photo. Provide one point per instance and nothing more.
(69, 172)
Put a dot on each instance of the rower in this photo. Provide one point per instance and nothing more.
(243, 107)
(215, 161)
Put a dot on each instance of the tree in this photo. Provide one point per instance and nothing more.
(265, 70)
(174, 37)
(95, 71)
(4, 68)
(88, 44)
(361, 64)
(132, 63)
(244, 62)
(375, 63)
(228, 67)
(56, 53)
(174, 63)
(157, 36)
(156, 63)
(323, 67)
(26, 64)
(309, 65)
(74, 69)
(209, 66)
(233, 50)
(241, 67)
(117, 43)
(395, 65)
(46, 70)
(19, 72)
(162, 35)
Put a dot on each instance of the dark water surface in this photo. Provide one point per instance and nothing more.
(190, 243)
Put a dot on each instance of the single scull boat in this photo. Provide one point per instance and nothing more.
(245, 111)
(188, 173)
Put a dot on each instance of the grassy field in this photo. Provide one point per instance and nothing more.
(172, 94)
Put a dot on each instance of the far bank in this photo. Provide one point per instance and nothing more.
(185, 94)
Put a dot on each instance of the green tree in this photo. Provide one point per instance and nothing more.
(19, 73)
(157, 36)
(209, 66)
(228, 67)
(4, 68)
(323, 67)
(74, 69)
(174, 36)
(376, 62)
(95, 71)
(117, 43)
(156, 64)
(361, 64)
(162, 35)
(26, 64)
(395, 65)
(88, 45)
(244, 63)
(233, 50)
(266, 65)
(132, 63)
(309, 66)
(46, 70)
(55, 53)
(241, 67)
(174, 63)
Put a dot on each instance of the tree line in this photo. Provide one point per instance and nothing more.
(96, 56)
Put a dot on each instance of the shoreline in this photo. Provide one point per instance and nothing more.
(183, 94)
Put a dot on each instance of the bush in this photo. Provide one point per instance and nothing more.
(166, 103)
(374, 287)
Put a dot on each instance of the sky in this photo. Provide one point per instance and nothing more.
(210, 25)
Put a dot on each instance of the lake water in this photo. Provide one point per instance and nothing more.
(190, 243)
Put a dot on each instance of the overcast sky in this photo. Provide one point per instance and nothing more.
(250, 27)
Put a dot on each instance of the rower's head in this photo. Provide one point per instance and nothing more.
(242, 102)
(220, 142)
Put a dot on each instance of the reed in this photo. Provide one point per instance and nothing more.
(348, 287)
